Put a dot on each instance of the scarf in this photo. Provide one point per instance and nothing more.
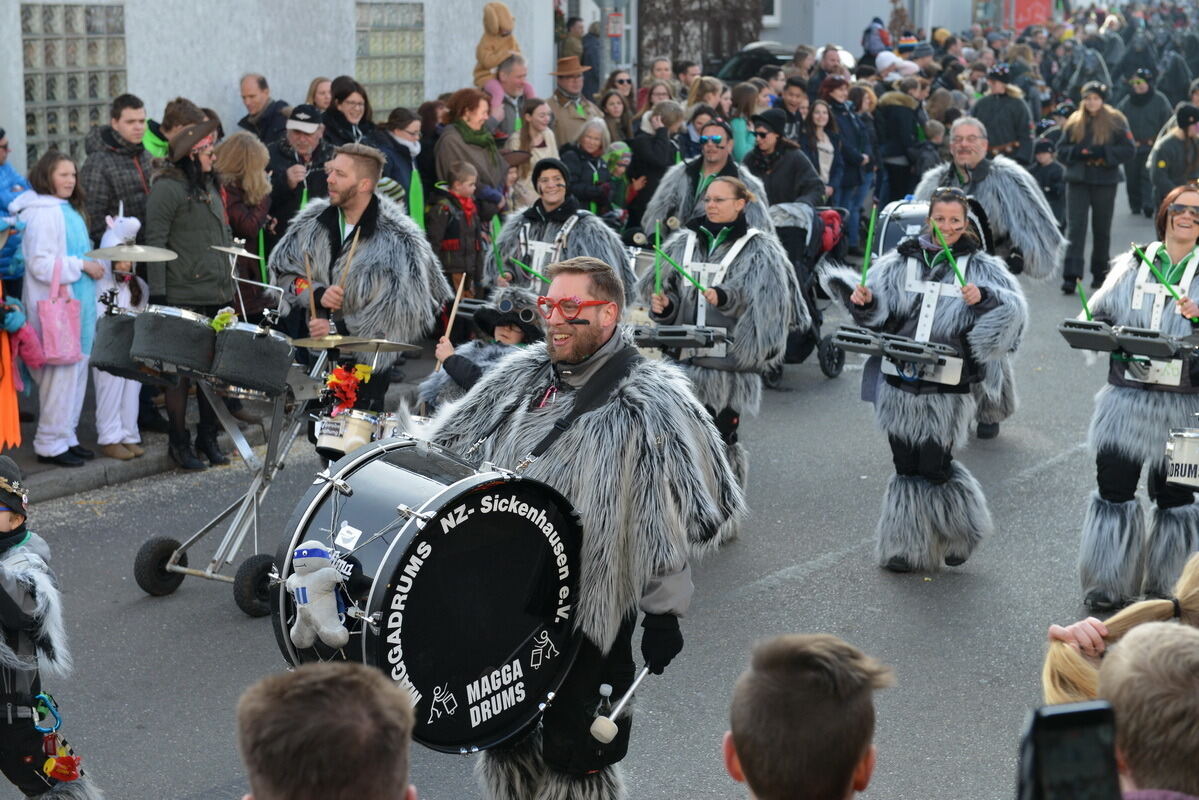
(468, 206)
(84, 289)
(1138, 100)
(413, 147)
(480, 138)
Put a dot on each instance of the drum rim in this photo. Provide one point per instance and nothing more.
(259, 331)
(179, 313)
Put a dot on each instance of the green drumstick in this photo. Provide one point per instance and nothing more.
(496, 227)
(657, 258)
(682, 271)
(869, 244)
(1083, 296)
(948, 254)
(1160, 278)
(529, 269)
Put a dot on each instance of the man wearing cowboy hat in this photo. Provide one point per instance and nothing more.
(571, 109)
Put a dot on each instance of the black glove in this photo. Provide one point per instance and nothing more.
(661, 641)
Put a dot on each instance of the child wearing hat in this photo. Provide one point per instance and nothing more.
(1050, 175)
(33, 756)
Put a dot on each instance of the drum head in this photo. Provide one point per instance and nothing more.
(470, 608)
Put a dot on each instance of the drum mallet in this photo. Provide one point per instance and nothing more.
(603, 728)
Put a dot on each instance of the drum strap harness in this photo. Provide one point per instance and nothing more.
(541, 253)
(1159, 291)
(932, 291)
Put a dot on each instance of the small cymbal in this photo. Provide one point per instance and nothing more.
(233, 251)
(380, 346)
(133, 252)
(328, 342)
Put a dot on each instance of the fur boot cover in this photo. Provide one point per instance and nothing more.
(675, 196)
(739, 460)
(394, 288)
(590, 236)
(512, 773)
(764, 298)
(991, 335)
(1133, 421)
(1110, 558)
(604, 784)
(652, 446)
(439, 388)
(25, 576)
(1016, 208)
(922, 522)
(996, 402)
(81, 789)
(1173, 537)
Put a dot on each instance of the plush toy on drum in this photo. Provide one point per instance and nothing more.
(314, 586)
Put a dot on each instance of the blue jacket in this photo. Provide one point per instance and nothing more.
(855, 141)
(12, 263)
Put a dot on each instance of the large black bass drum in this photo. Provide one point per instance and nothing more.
(458, 584)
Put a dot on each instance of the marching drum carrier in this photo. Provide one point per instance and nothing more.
(458, 584)
(902, 357)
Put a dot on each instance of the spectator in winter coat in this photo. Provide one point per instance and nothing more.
(899, 131)
(240, 163)
(653, 154)
(12, 184)
(399, 141)
(821, 143)
(1050, 175)
(1174, 160)
(1006, 116)
(778, 162)
(349, 118)
(855, 144)
(265, 118)
(1146, 110)
(570, 106)
(830, 64)
(455, 229)
(592, 58)
(590, 183)
(688, 138)
(297, 168)
(466, 139)
(117, 170)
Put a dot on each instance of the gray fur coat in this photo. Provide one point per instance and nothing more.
(395, 286)
(675, 197)
(945, 417)
(26, 577)
(763, 296)
(590, 236)
(1015, 208)
(1133, 421)
(646, 472)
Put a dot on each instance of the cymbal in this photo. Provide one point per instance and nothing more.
(233, 251)
(328, 342)
(380, 346)
(133, 252)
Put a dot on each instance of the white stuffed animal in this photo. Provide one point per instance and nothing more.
(121, 230)
(313, 585)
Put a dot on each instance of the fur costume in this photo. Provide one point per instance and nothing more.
(439, 388)
(589, 236)
(924, 522)
(675, 196)
(764, 299)
(395, 286)
(650, 447)
(1134, 423)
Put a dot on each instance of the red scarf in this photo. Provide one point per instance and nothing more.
(468, 206)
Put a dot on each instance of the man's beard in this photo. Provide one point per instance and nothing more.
(344, 197)
(583, 342)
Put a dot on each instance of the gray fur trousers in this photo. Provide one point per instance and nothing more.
(1119, 560)
(990, 410)
(924, 523)
(519, 773)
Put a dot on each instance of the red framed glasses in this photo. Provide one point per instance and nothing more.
(568, 307)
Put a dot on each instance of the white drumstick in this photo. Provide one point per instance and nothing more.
(603, 728)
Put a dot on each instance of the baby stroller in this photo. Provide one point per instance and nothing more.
(823, 235)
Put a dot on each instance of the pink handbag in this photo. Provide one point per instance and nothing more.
(59, 315)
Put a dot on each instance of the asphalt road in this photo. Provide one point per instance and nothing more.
(151, 705)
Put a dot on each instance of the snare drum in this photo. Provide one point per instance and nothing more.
(1182, 457)
(345, 433)
(110, 350)
(389, 425)
(460, 586)
(252, 357)
(173, 339)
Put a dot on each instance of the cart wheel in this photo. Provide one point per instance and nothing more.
(150, 566)
(252, 585)
(773, 377)
(832, 358)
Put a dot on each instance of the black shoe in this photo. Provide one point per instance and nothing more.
(153, 422)
(898, 564)
(64, 459)
(1100, 601)
(955, 561)
(988, 430)
(82, 452)
(1068, 287)
(1097, 281)
(181, 452)
(206, 443)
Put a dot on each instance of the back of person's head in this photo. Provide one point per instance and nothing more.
(180, 112)
(802, 719)
(1151, 678)
(329, 731)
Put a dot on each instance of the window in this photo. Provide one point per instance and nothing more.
(74, 65)
(391, 55)
(770, 13)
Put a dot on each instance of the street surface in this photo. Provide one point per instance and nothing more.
(151, 704)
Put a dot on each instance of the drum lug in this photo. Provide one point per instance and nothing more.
(336, 483)
(407, 512)
(507, 474)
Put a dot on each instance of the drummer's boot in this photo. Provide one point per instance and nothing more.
(959, 515)
(512, 772)
(904, 529)
(1173, 538)
(1111, 556)
(206, 443)
(181, 452)
(603, 784)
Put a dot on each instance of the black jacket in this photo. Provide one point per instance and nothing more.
(590, 182)
(339, 131)
(1008, 125)
(400, 162)
(286, 201)
(271, 125)
(1094, 162)
(1051, 178)
(653, 154)
(787, 174)
(897, 120)
(854, 142)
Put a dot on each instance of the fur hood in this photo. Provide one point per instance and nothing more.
(898, 98)
(675, 197)
(646, 472)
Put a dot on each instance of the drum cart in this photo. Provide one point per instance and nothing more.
(161, 563)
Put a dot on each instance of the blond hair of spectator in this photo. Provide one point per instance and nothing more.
(241, 160)
(327, 731)
(702, 89)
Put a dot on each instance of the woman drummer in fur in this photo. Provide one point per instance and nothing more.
(1133, 414)
(933, 509)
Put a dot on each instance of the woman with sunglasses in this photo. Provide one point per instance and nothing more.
(1141, 401)
(749, 291)
(557, 228)
(933, 510)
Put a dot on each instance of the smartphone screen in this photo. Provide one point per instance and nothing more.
(1073, 753)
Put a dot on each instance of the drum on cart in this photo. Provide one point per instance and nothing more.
(1182, 457)
(173, 339)
(110, 349)
(253, 357)
(460, 585)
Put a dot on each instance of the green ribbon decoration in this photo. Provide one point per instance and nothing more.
(657, 258)
(869, 243)
(682, 271)
(416, 199)
(496, 227)
(1160, 278)
(529, 269)
(948, 253)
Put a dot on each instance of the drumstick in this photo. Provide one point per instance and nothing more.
(311, 294)
(603, 728)
(349, 259)
(449, 326)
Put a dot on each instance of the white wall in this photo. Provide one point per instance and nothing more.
(453, 28)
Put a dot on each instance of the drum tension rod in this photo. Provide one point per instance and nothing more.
(407, 512)
(336, 483)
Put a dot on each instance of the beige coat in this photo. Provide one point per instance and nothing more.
(569, 117)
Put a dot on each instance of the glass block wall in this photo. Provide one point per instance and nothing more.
(390, 60)
(74, 65)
